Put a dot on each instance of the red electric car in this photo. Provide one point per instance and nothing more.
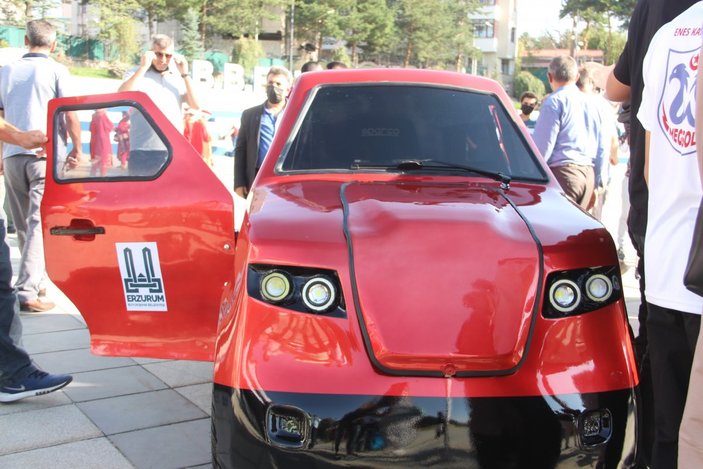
(409, 285)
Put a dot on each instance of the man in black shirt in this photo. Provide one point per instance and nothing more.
(626, 83)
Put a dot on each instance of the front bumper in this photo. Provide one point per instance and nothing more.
(258, 429)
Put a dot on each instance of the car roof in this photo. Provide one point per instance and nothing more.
(399, 76)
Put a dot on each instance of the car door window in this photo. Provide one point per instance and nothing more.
(117, 142)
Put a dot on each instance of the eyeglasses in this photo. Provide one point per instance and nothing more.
(163, 54)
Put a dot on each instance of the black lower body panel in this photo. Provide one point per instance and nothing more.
(258, 429)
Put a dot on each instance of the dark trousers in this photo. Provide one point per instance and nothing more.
(672, 342)
(12, 358)
(146, 162)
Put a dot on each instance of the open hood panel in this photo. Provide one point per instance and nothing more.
(437, 259)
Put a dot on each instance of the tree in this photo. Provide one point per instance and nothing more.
(318, 19)
(116, 26)
(417, 22)
(611, 43)
(595, 14)
(155, 11)
(237, 18)
(368, 23)
(462, 39)
(525, 81)
(191, 44)
(127, 47)
(21, 11)
(247, 52)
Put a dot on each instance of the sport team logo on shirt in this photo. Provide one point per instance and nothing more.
(678, 101)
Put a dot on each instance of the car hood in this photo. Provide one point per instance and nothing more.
(444, 278)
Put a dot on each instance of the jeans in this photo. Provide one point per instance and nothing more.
(12, 358)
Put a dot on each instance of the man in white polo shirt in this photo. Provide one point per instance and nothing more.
(163, 75)
(26, 86)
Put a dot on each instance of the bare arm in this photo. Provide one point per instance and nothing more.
(30, 139)
(131, 83)
(615, 90)
(614, 146)
(182, 66)
(74, 132)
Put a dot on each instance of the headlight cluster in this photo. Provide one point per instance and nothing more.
(298, 288)
(573, 292)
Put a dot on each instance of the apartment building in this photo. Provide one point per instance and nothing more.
(495, 35)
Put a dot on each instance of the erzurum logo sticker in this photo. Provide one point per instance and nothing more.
(141, 276)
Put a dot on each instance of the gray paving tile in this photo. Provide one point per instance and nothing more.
(198, 394)
(144, 361)
(138, 411)
(172, 446)
(110, 383)
(78, 361)
(181, 372)
(38, 323)
(54, 399)
(44, 428)
(96, 453)
(56, 341)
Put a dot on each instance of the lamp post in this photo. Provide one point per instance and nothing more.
(290, 40)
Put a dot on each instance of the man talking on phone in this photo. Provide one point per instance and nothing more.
(163, 75)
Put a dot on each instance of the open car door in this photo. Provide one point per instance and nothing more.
(140, 233)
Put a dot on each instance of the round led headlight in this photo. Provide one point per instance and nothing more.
(599, 287)
(564, 295)
(275, 286)
(319, 293)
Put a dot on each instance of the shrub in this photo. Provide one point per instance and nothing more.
(525, 81)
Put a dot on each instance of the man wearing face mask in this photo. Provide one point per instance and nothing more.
(528, 103)
(259, 124)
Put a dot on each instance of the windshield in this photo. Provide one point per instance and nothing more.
(363, 128)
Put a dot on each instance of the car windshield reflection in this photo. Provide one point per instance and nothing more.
(374, 127)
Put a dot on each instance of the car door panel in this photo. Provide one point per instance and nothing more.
(144, 255)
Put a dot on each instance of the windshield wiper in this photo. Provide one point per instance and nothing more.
(411, 165)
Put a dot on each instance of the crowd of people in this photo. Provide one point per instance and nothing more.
(580, 134)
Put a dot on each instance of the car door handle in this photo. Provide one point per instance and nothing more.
(81, 229)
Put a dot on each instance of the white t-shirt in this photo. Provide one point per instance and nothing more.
(668, 112)
(167, 90)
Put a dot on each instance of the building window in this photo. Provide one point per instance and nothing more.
(512, 34)
(505, 66)
(487, 2)
(484, 28)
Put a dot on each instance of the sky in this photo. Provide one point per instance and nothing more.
(536, 17)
